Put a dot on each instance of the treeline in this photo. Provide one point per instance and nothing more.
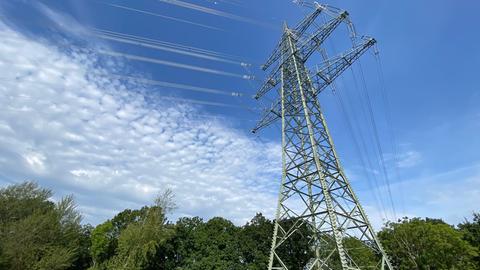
(37, 233)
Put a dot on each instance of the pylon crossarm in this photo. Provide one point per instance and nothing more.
(305, 50)
(335, 66)
(322, 78)
(277, 52)
(270, 82)
(299, 30)
(269, 116)
(329, 10)
(313, 42)
(308, 21)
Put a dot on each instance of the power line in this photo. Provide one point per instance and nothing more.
(201, 102)
(366, 170)
(367, 119)
(377, 139)
(169, 44)
(353, 37)
(370, 169)
(386, 102)
(172, 98)
(216, 13)
(162, 16)
(231, 2)
(177, 85)
(171, 64)
(351, 131)
(165, 48)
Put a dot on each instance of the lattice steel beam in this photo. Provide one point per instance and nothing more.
(315, 198)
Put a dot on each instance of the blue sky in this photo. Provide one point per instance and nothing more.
(70, 124)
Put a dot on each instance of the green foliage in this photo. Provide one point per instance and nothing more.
(362, 255)
(55, 258)
(255, 240)
(215, 246)
(127, 217)
(133, 239)
(103, 243)
(471, 233)
(83, 260)
(178, 249)
(36, 233)
(426, 244)
(139, 243)
(22, 200)
(296, 252)
(105, 237)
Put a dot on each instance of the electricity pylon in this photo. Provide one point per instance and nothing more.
(316, 201)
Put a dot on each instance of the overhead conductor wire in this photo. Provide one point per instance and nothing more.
(171, 64)
(162, 16)
(363, 155)
(164, 84)
(386, 101)
(191, 51)
(367, 118)
(350, 128)
(358, 149)
(161, 45)
(216, 12)
(252, 77)
(177, 85)
(377, 139)
(353, 37)
(175, 45)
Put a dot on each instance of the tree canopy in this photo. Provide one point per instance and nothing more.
(427, 244)
(37, 233)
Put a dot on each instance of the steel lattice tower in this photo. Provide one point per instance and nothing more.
(315, 199)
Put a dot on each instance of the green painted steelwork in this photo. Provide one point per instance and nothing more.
(315, 198)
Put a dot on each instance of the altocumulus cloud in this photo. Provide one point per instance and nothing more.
(67, 125)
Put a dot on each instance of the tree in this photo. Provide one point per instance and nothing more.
(83, 259)
(130, 240)
(139, 243)
(22, 200)
(177, 251)
(134, 239)
(215, 247)
(255, 241)
(426, 244)
(37, 233)
(166, 201)
(103, 243)
(471, 233)
(363, 256)
(127, 217)
(296, 251)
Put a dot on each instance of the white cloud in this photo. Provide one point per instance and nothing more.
(63, 21)
(408, 159)
(451, 195)
(67, 126)
(35, 161)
